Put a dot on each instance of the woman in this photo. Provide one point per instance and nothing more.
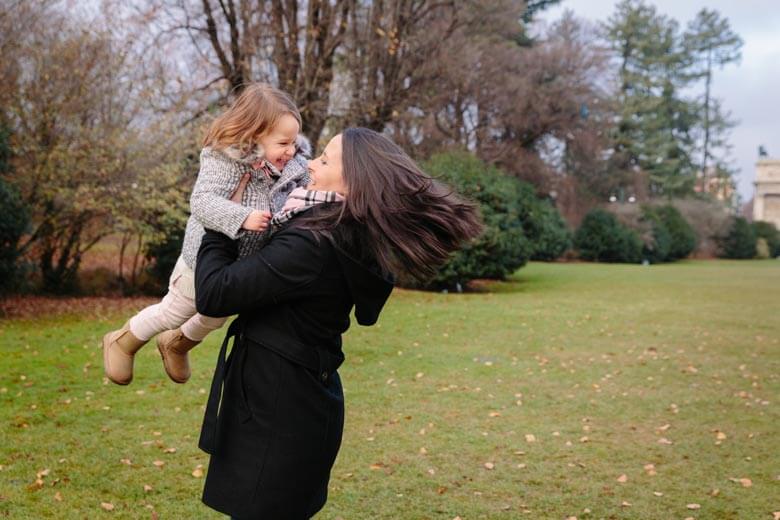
(280, 421)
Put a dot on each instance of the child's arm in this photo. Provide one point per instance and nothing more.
(210, 202)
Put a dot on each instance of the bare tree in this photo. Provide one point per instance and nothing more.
(80, 146)
(290, 43)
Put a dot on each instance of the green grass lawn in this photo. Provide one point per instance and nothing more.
(595, 391)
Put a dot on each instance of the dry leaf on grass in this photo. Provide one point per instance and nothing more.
(108, 506)
(693, 506)
(622, 478)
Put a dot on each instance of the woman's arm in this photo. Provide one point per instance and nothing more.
(281, 271)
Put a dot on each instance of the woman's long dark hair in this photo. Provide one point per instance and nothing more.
(407, 220)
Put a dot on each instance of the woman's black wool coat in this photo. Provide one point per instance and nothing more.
(281, 411)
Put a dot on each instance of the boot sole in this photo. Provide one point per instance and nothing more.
(165, 364)
(106, 343)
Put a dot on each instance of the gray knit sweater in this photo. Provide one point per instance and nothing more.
(211, 208)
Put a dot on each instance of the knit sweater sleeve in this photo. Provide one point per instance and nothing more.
(210, 201)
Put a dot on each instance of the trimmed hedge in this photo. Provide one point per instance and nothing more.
(503, 247)
(770, 234)
(740, 242)
(518, 225)
(655, 250)
(547, 230)
(682, 236)
(601, 237)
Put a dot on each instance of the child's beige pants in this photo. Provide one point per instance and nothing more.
(177, 309)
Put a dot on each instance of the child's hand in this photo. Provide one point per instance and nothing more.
(257, 221)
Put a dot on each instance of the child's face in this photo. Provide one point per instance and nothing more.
(279, 143)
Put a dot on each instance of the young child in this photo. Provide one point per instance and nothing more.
(258, 135)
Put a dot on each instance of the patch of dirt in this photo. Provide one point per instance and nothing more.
(40, 306)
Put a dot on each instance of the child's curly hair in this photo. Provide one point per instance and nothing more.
(253, 114)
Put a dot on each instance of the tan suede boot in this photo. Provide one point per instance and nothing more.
(119, 348)
(173, 346)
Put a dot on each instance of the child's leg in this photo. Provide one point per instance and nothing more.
(120, 346)
(198, 327)
(174, 344)
(175, 308)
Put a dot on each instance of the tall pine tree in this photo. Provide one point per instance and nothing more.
(710, 43)
(654, 130)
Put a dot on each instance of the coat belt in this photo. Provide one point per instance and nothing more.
(208, 432)
(317, 359)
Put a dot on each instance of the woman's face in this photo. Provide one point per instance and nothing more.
(326, 171)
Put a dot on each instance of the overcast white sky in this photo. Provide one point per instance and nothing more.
(749, 89)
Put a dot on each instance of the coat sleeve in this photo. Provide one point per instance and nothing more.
(210, 200)
(282, 271)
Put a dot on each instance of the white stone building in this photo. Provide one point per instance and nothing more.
(766, 203)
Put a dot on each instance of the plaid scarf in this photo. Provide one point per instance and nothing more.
(300, 200)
